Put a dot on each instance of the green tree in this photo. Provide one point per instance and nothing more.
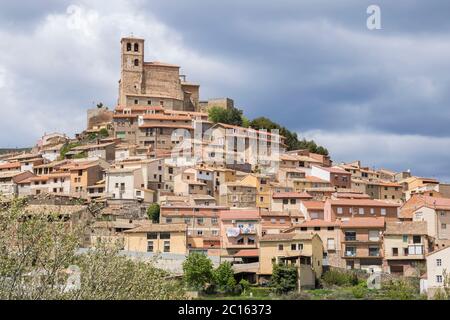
(39, 260)
(292, 141)
(224, 277)
(67, 147)
(103, 133)
(198, 270)
(230, 116)
(153, 212)
(284, 278)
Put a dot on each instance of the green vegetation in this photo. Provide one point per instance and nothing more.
(339, 278)
(198, 271)
(67, 147)
(153, 212)
(224, 277)
(284, 278)
(235, 117)
(231, 116)
(40, 261)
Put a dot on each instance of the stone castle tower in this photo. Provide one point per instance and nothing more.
(153, 83)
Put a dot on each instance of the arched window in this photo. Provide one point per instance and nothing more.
(136, 62)
(128, 46)
(136, 47)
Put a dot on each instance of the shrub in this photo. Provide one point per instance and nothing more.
(224, 277)
(340, 278)
(245, 285)
(400, 290)
(284, 278)
(198, 270)
(359, 291)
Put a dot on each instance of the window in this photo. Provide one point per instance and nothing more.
(395, 252)
(168, 220)
(438, 262)
(136, 47)
(442, 213)
(350, 251)
(443, 226)
(166, 246)
(215, 232)
(164, 235)
(374, 235)
(330, 244)
(293, 201)
(304, 229)
(136, 62)
(316, 228)
(294, 246)
(261, 199)
(383, 211)
(361, 210)
(285, 201)
(439, 279)
(136, 101)
(187, 220)
(417, 239)
(372, 211)
(374, 251)
(251, 241)
(273, 220)
(330, 228)
(149, 246)
(149, 102)
(240, 241)
(199, 232)
(350, 235)
(152, 235)
(200, 220)
(339, 210)
(128, 46)
(280, 247)
(405, 238)
(282, 220)
(214, 220)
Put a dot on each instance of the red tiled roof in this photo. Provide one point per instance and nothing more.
(373, 222)
(363, 202)
(296, 195)
(239, 215)
(247, 253)
(10, 165)
(314, 205)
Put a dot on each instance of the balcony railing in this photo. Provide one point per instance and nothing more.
(350, 238)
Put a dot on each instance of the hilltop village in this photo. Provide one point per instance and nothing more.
(253, 204)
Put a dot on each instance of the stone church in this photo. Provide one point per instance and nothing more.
(153, 83)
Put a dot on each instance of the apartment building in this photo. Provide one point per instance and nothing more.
(435, 211)
(438, 268)
(105, 151)
(157, 238)
(362, 243)
(240, 232)
(55, 182)
(302, 250)
(348, 208)
(203, 229)
(237, 195)
(330, 234)
(275, 222)
(405, 247)
(312, 210)
(83, 174)
(263, 189)
(337, 177)
(10, 180)
(288, 201)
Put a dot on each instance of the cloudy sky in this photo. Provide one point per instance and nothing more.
(382, 96)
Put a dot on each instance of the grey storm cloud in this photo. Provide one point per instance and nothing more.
(312, 66)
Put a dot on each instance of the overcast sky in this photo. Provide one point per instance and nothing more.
(381, 96)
